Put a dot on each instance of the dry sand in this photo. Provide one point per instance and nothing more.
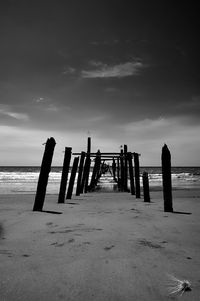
(103, 247)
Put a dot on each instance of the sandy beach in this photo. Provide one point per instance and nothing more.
(99, 247)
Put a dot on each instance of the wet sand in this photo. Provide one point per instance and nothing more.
(99, 247)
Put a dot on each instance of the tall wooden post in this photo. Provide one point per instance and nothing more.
(137, 174)
(125, 168)
(95, 170)
(118, 173)
(130, 164)
(72, 178)
(44, 174)
(89, 145)
(114, 169)
(122, 171)
(86, 171)
(145, 179)
(64, 177)
(167, 181)
(99, 172)
(80, 173)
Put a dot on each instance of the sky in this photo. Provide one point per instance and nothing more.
(120, 71)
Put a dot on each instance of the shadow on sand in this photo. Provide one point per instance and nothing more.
(181, 212)
(52, 212)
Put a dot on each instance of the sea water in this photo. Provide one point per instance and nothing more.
(23, 179)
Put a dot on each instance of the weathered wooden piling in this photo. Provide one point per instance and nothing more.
(44, 174)
(86, 172)
(145, 179)
(118, 173)
(137, 174)
(125, 168)
(166, 177)
(96, 169)
(89, 145)
(131, 175)
(64, 177)
(80, 174)
(121, 171)
(114, 169)
(72, 178)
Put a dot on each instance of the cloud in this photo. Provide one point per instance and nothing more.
(5, 110)
(39, 100)
(100, 70)
(69, 70)
(49, 105)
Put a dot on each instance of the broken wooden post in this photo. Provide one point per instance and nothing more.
(44, 174)
(145, 179)
(131, 175)
(72, 178)
(64, 177)
(80, 173)
(97, 163)
(166, 177)
(125, 168)
(137, 174)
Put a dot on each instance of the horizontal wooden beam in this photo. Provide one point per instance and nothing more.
(105, 155)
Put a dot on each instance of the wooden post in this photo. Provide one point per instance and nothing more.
(44, 174)
(167, 181)
(64, 177)
(137, 174)
(125, 168)
(130, 164)
(88, 162)
(122, 171)
(80, 173)
(145, 179)
(118, 176)
(98, 170)
(102, 167)
(89, 145)
(72, 178)
(114, 169)
(86, 172)
(95, 170)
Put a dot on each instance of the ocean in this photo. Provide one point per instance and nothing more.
(23, 179)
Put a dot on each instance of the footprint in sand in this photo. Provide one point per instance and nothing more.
(108, 248)
(6, 252)
(150, 244)
(71, 240)
(26, 255)
(51, 225)
(56, 244)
